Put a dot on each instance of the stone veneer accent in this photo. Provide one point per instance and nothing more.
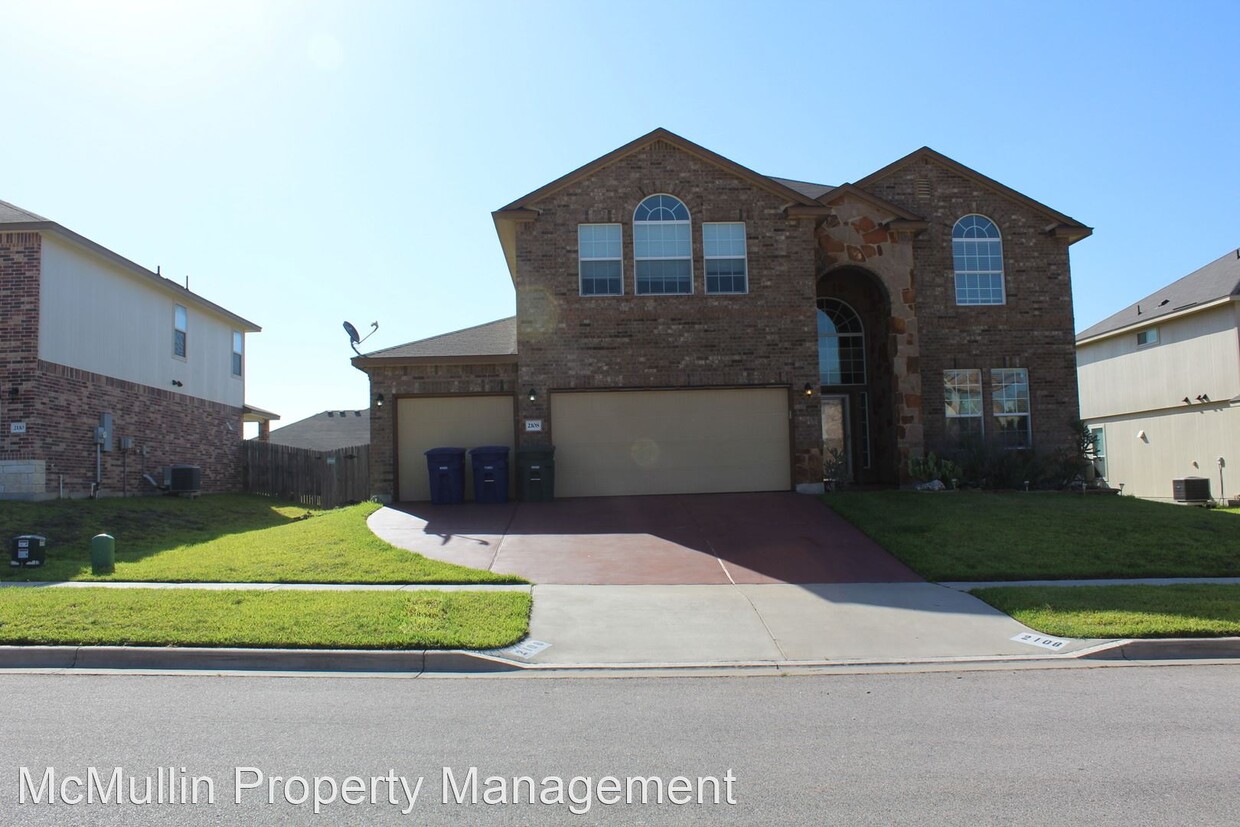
(22, 479)
(852, 237)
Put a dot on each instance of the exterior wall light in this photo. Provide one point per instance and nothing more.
(809, 389)
(379, 401)
(533, 395)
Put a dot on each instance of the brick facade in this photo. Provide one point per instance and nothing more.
(421, 380)
(883, 246)
(1034, 329)
(765, 337)
(61, 406)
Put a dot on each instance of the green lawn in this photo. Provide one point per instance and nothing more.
(261, 619)
(1189, 610)
(222, 538)
(971, 535)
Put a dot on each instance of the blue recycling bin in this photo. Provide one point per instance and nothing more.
(490, 473)
(446, 467)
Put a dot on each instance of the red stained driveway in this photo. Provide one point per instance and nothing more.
(673, 539)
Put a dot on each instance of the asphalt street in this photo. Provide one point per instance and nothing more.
(1118, 745)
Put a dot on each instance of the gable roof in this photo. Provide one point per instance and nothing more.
(14, 219)
(325, 431)
(491, 342)
(507, 217)
(773, 185)
(1217, 281)
(1069, 226)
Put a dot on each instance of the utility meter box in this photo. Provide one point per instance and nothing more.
(29, 551)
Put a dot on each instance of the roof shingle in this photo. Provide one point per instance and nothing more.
(497, 338)
(1217, 280)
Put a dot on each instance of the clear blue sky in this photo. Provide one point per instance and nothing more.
(310, 162)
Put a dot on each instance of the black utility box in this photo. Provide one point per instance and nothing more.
(1191, 490)
(29, 551)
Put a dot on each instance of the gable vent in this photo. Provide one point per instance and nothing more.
(921, 189)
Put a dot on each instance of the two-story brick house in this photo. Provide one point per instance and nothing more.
(89, 338)
(685, 324)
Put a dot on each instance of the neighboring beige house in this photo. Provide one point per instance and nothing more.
(1160, 385)
(109, 371)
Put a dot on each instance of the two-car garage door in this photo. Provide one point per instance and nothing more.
(618, 442)
(670, 442)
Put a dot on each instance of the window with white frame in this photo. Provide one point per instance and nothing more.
(1009, 393)
(599, 259)
(962, 403)
(723, 249)
(841, 344)
(1147, 337)
(180, 331)
(1098, 450)
(237, 351)
(977, 256)
(662, 247)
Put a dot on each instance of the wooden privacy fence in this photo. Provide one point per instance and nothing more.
(324, 479)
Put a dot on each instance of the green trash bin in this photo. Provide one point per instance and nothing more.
(102, 554)
(536, 474)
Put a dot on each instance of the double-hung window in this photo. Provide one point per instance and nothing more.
(977, 255)
(723, 248)
(962, 403)
(180, 331)
(662, 247)
(237, 351)
(599, 259)
(1009, 388)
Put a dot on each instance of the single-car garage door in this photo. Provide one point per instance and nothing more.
(428, 422)
(670, 442)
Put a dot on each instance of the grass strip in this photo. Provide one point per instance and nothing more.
(973, 535)
(223, 538)
(1187, 610)
(259, 619)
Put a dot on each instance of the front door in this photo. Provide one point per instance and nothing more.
(836, 438)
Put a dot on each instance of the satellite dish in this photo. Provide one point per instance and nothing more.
(354, 341)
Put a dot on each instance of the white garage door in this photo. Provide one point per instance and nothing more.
(670, 442)
(423, 423)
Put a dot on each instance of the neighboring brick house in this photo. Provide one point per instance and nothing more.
(685, 324)
(1160, 386)
(86, 333)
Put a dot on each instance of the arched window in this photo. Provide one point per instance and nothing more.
(841, 344)
(977, 252)
(662, 246)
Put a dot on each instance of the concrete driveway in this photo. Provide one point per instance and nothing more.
(707, 579)
(699, 539)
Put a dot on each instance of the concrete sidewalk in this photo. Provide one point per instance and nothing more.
(618, 628)
(776, 624)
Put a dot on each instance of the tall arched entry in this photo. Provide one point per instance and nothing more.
(855, 354)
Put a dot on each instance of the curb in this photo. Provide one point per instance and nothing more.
(1203, 648)
(422, 661)
(415, 661)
